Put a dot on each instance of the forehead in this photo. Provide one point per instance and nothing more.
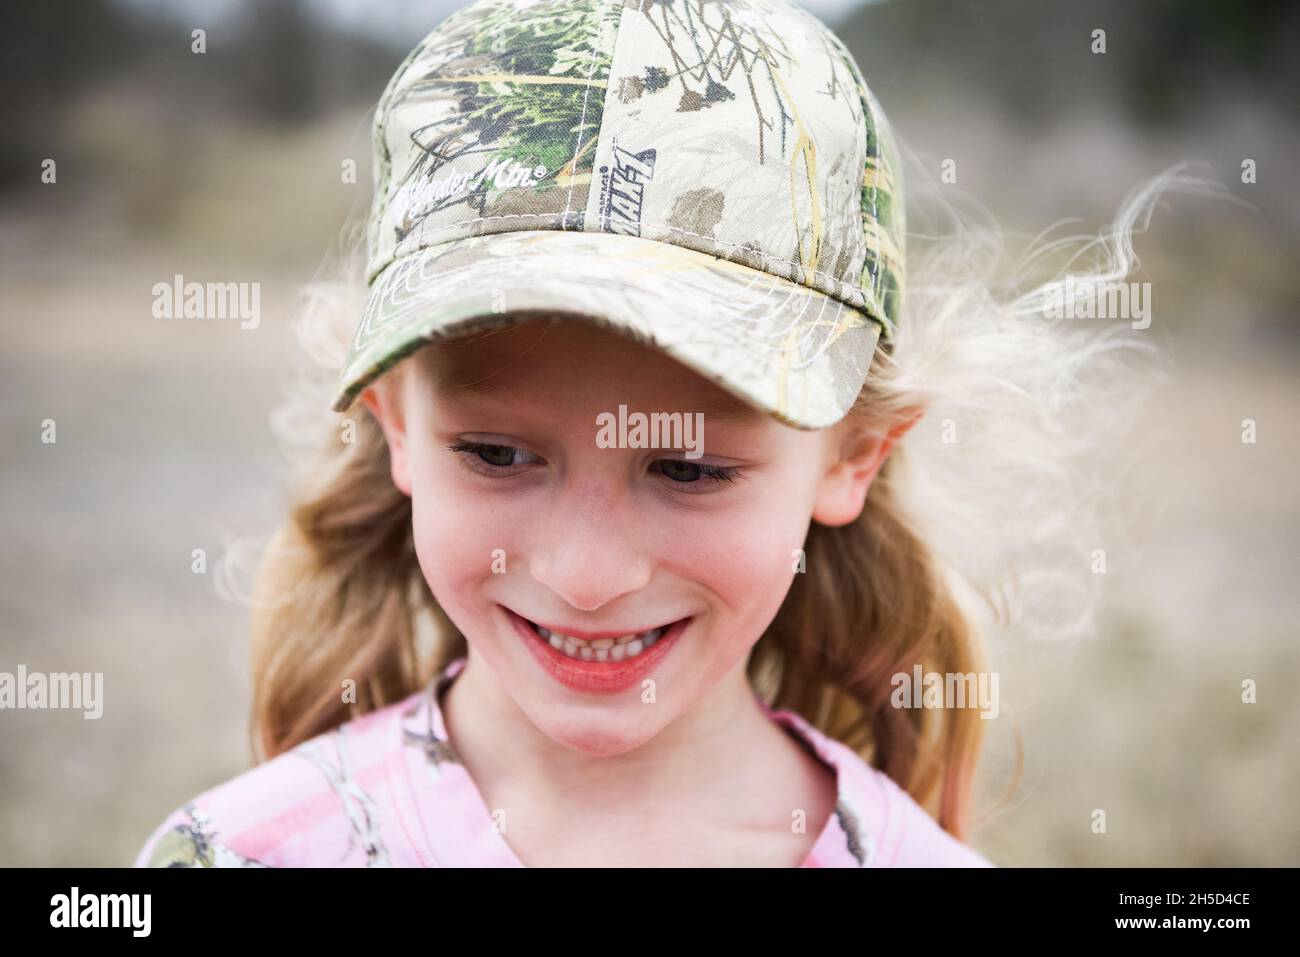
(566, 360)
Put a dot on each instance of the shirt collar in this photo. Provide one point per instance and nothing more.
(844, 842)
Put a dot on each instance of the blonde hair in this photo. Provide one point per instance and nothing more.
(957, 538)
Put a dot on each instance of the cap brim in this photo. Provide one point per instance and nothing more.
(791, 351)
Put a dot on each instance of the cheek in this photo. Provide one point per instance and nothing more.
(746, 555)
(459, 539)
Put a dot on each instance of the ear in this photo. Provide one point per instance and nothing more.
(843, 489)
(386, 406)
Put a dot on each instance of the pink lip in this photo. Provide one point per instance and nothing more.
(596, 677)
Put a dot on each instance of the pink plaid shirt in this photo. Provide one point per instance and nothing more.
(386, 789)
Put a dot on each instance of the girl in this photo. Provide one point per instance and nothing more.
(497, 631)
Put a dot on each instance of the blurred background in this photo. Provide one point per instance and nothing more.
(226, 167)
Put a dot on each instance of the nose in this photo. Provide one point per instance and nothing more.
(588, 549)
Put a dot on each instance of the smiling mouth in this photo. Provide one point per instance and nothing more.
(610, 649)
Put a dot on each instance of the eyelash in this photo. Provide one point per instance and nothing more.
(715, 474)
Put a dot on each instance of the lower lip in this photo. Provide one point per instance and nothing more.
(596, 677)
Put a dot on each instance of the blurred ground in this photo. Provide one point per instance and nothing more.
(164, 447)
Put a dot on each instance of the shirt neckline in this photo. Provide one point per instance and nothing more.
(841, 839)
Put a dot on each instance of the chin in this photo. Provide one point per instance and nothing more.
(595, 735)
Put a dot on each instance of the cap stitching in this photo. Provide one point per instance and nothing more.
(582, 121)
(839, 284)
(875, 207)
(375, 367)
(883, 133)
(401, 269)
(772, 286)
(379, 133)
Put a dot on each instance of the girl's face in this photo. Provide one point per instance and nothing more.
(523, 516)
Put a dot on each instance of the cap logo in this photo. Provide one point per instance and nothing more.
(622, 190)
(416, 200)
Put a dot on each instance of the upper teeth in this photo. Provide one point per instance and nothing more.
(601, 649)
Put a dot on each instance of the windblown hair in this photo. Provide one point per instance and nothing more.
(981, 519)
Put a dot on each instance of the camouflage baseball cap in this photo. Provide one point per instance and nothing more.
(713, 179)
